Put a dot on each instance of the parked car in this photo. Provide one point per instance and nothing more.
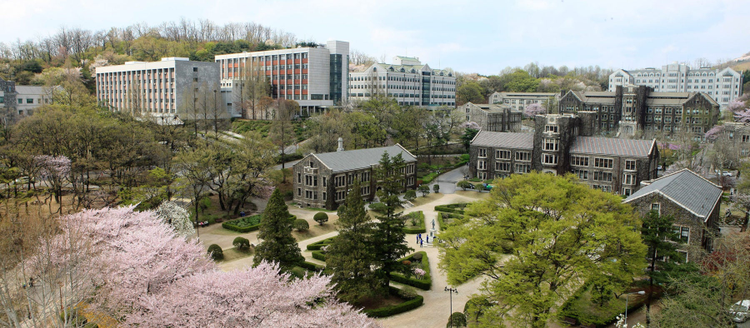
(739, 311)
(726, 174)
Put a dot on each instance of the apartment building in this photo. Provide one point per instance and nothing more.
(491, 117)
(314, 77)
(519, 100)
(722, 85)
(634, 109)
(174, 86)
(407, 80)
(323, 180)
(560, 145)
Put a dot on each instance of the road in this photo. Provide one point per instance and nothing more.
(448, 180)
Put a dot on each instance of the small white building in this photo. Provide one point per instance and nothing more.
(407, 80)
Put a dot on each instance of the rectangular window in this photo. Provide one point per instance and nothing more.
(502, 166)
(628, 179)
(606, 163)
(299, 191)
(523, 156)
(579, 161)
(481, 165)
(655, 207)
(630, 165)
(502, 154)
(603, 176)
(299, 177)
(324, 181)
(550, 144)
(627, 191)
(582, 174)
(324, 196)
(482, 152)
(29, 100)
(550, 128)
(682, 232)
(549, 159)
(522, 168)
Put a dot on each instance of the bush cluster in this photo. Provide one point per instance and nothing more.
(377, 207)
(452, 208)
(320, 244)
(321, 217)
(301, 225)
(319, 255)
(216, 252)
(457, 319)
(241, 244)
(391, 310)
(244, 224)
(311, 266)
(417, 217)
(426, 282)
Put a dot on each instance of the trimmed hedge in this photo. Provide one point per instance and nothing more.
(420, 220)
(424, 283)
(441, 221)
(319, 255)
(311, 266)
(395, 309)
(316, 246)
(452, 208)
(232, 225)
(215, 252)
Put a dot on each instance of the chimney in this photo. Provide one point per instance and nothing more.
(341, 144)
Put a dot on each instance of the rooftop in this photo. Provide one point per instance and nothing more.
(504, 139)
(685, 188)
(612, 146)
(349, 160)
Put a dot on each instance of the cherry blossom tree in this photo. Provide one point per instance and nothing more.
(534, 110)
(54, 171)
(177, 217)
(714, 132)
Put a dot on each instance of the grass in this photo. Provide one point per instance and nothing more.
(431, 197)
(315, 230)
(231, 254)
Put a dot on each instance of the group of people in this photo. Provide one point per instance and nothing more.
(421, 240)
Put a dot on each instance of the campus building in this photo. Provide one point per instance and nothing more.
(560, 144)
(519, 100)
(20, 101)
(632, 109)
(491, 117)
(691, 200)
(721, 85)
(8, 101)
(323, 180)
(407, 80)
(314, 77)
(174, 86)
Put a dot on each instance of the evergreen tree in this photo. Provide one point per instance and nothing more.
(351, 257)
(278, 245)
(391, 243)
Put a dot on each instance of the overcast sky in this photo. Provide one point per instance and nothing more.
(468, 36)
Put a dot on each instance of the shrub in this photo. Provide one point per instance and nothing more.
(241, 244)
(311, 266)
(475, 307)
(216, 252)
(320, 244)
(463, 184)
(391, 310)
(298, 272)
(407, 292)
(417, 257)
(436, 188)
(301, 225)
(321, 218)
(422, 283)
(377, 207)
(424, 189)
(406, 262)
(319, 255)
(417, 221)
(457, 319)
(457, 208)
(244, 224)
(410, 195)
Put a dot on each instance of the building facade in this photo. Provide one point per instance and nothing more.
(632, 110)
(323, 180)
(691, 200)
(407, 80)
(174, 86)
(519, 100)
(29, 98)
(8, 101)
(722, 85)
(314, 77)
(559, 146)
(494, 118)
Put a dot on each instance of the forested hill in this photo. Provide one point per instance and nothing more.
(75, 47)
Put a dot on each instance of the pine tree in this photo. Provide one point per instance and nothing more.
(391, 243)
(351, 256)
(278, 245)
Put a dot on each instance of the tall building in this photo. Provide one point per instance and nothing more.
(632, 109)
(314, 77)
(722, 85)
(407, 80)
(560, 145)
(172, 86)
(519, 100)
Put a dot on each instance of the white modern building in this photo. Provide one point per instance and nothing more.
(723, 85)
(172, 86)
(31, 97)
(407, 80)
(519, 100)
(314, 77)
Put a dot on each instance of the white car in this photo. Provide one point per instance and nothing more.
(739, 311)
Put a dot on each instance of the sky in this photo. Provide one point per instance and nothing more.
(468, 36)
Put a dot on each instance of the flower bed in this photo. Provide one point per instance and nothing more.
(419, 218)
(424, 264)
(392, 310)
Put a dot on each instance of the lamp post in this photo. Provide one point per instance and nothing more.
(640, 292)
(452, 291)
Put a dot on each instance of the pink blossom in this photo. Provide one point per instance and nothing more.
(419, 273)
(470, 125)
(713, 133)
(534, 110)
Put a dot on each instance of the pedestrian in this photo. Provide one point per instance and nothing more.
(428, 239)
(419, 236)
(421, 243)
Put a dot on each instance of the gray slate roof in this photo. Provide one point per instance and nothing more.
(612, 146)
(504, 140)
(685, 188)
(348, 160)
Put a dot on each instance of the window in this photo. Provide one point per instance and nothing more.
(655, 207)
(579, 161)
(299, 191)
(522, 168)
(630, 165)
(29, 100)
(683, 233)
(481, 165)
(324, 182)
(627, 191)
(606, 163)
(629, 179)
(195, 69)
(549, 159)
(582, 174)
(603, 176)
(502, 154)
(523, 156)
(551, 144)
(299, 177)
(502, 166)
(482, 152)
(550, 128)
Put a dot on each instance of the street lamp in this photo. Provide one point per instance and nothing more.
(452, 291)
(640, 292)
